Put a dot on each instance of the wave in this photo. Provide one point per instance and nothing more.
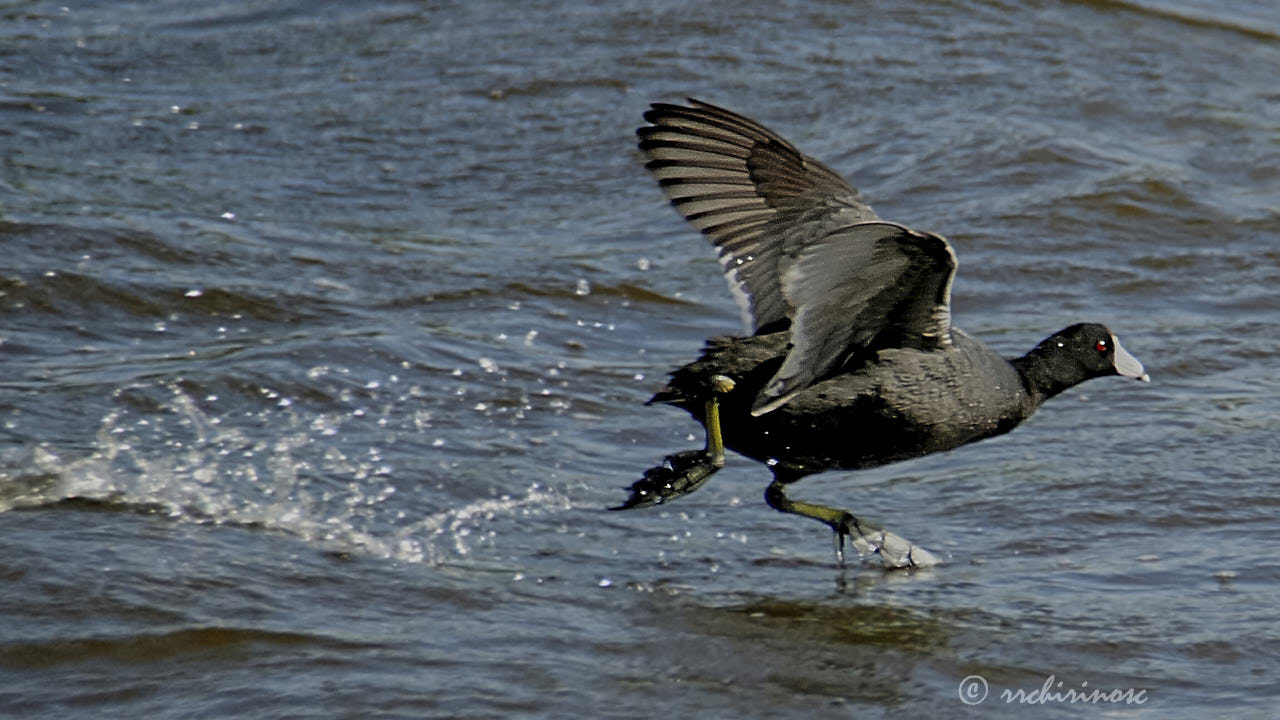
(1216, 18)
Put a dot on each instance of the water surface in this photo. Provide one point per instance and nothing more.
(328, 327)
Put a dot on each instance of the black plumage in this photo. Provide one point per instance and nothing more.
(852, 361)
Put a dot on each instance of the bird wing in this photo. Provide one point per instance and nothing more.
(857, 288)
(797, 244)
(743, 186)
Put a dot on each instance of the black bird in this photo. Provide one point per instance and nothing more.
(853, 361)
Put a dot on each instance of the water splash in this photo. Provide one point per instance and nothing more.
(319, 476)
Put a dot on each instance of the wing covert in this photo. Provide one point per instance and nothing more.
(860, 288)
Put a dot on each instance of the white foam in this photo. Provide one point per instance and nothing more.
(281, 471)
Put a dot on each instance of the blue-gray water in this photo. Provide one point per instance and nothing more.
(327, 327)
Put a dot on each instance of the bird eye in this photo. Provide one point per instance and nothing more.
(1101, 346)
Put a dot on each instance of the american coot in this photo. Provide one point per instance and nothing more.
(852, 361)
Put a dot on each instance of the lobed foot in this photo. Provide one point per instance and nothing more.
(684, 472)
(895, 551)
(679, 474)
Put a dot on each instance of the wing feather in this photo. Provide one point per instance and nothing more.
(797, 245)
(740, 184)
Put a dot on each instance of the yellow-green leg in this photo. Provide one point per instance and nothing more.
(720, 385)
(894, 550)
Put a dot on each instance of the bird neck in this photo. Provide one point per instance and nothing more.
(1046, 373)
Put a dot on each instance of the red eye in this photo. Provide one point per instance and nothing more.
(1101, 346)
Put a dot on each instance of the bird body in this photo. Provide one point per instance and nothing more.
(900, 403)
(850, 360)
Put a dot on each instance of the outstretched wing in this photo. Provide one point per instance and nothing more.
(798, 245)
(744, 187)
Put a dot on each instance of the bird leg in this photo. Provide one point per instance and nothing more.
(684, 472)
(894, 550)
(720, 385)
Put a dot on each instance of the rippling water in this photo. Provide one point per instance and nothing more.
(327, 329)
